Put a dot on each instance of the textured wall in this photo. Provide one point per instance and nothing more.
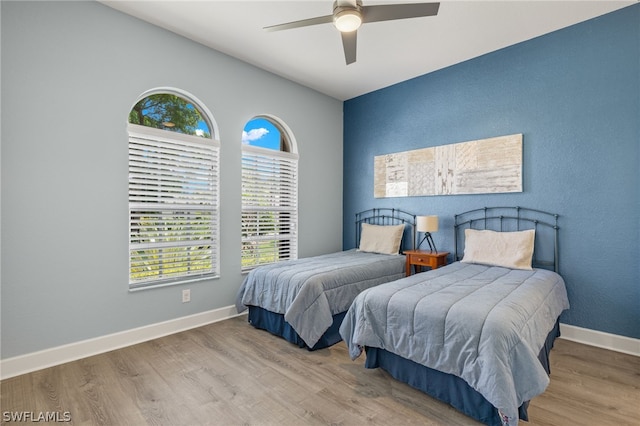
(575, 96)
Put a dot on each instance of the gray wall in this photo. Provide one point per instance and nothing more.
(71, 71)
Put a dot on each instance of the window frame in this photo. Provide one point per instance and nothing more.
(187, 168)
(262, 160)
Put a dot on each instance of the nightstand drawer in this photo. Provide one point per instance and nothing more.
(423, 261)
(419, 258)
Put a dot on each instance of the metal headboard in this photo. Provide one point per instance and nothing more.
(504, 219)
(389, 216)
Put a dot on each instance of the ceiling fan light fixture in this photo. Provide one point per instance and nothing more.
(347, 20)
(349, 15)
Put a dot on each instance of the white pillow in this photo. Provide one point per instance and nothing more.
(381, 239)
(507, 249)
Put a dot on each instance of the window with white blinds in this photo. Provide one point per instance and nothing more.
(173, 207)
(269, 206)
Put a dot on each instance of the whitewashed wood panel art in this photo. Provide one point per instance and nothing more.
(483, 166)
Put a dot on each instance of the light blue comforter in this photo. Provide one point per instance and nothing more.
(310, 291)
(484, 324)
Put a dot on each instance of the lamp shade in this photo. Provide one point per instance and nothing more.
(427, 223)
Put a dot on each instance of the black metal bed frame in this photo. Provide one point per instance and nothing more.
(388, 216)
(505, 219)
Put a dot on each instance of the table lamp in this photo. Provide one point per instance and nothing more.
(427, 224)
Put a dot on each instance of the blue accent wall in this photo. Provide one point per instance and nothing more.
(575, 96)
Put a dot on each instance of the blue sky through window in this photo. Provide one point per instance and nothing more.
(261, 132)
(203, 127)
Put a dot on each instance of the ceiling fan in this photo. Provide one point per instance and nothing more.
(347, 17)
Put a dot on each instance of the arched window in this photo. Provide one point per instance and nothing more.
(269, 193)
(173, 190)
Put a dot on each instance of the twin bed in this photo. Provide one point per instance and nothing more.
(305, 300)
(476, 333)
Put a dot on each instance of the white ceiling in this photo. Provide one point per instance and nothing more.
(388, 52)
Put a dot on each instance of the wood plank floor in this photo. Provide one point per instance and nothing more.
(229, 373)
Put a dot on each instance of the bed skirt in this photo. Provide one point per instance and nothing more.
(447, 387)
(274, 323)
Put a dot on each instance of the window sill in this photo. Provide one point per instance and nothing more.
(172, 283)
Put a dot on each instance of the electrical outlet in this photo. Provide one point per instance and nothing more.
(186, 295)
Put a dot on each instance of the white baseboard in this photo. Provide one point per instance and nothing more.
(22, 364)
(600, 339)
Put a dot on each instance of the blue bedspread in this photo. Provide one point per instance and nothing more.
(483, 324)
(310, 291)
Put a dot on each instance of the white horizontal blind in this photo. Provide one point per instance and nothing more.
(269, 206)
(173, 207)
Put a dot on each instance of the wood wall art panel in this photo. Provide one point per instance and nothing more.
(483, 166)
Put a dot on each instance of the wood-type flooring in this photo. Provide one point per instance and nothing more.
(229, 373)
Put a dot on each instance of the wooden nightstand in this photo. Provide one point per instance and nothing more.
(425, 258)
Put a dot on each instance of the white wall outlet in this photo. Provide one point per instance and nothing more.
(186, 295)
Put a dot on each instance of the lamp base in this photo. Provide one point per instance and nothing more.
(432, 244)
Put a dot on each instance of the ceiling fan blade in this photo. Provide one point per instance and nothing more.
(303, 23)
(388, 12)
(349, 44)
